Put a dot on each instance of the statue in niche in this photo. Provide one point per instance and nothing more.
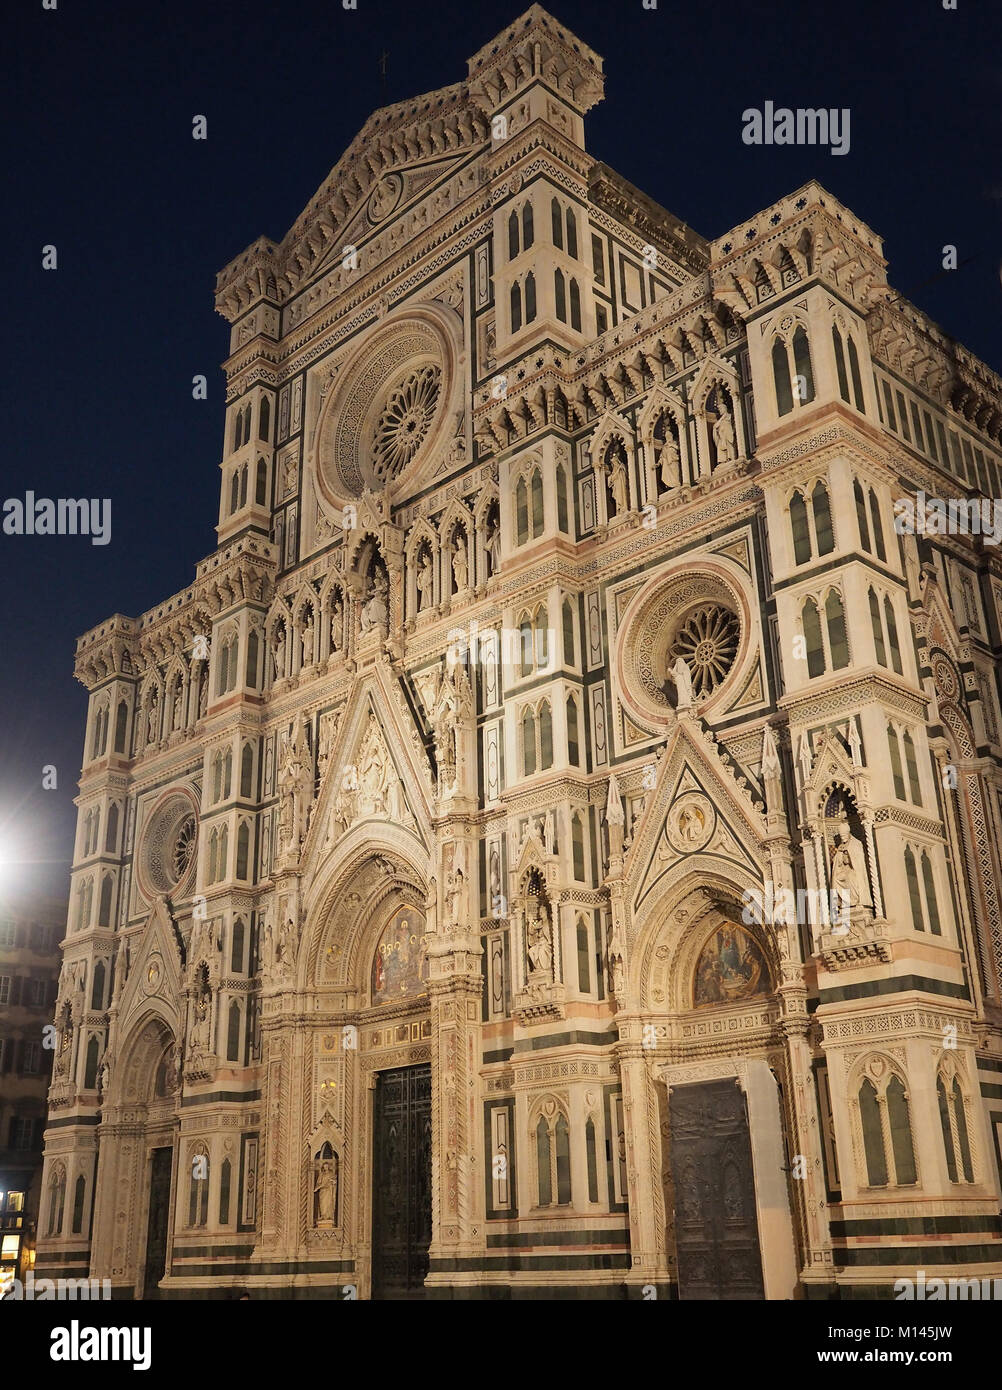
(65, 1040)
(268, 947)
(850, 882)
(201, 1017)
(494, 546)
(617, 967)
(671, 463)
(151, 722)
(683, 684)
(278, 654)
(308, 642)
(425, 580)
(294, 786)
(549, 837)
(177, 705)
(724, 438)
(618, 486)
(376, 612)
(539, 933)
(459, 563)
(325, 1183)
(287, 944)
(337, 624)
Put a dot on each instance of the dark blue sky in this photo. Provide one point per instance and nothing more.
(100, 162)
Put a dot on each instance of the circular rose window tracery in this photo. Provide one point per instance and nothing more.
(405, 421)
(184, 847)
(707, 641)
(167, 847)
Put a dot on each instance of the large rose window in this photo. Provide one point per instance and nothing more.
(405, 421)
(707, 641)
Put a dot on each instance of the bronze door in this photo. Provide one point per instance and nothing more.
(157, 1222)
(716, 1227)
(401, 1197)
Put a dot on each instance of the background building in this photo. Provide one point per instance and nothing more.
(423, 931)
(30, 931)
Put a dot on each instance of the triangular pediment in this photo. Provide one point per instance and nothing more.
(698, 809)
(376, 771)
(155, 965)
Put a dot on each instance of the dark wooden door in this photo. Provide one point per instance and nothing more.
(157, 1222)
(716, 1227)
(401, 1198)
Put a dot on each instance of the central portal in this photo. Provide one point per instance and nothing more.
(401, 1178)
(716, 1227)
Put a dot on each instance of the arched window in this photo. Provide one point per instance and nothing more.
(57, 1199)
(914, 790)
(225, 1179)
(800, 529)
(528, 742)
(536, 489)
(513, 247)
(253, 649)
(121, 726)
(515, 300)
(261, 486)
(247, 771)
(213, 857)
(217, 777)
(963, 1138)
(224, 838)
(243, 850)
(90, 1064)
(802, 363)
(781, 375)
(568, 629)
(561, 483)
(947, 1128)
(233, 1032)
(234, 491)
(895, 752)
(573, 737)
(560, 295)
(575, 306)
(557, 225)
(864, 530)
(561, 1134)
(243, 486)
(264, 419)
(572, 234)
(878, 530)
(901, 1135)
(932, 907)
(530, 297)
(525, 646)
(591, 1160)
(237, 947)
(227, 772)
(811, 623)
(521, 512)
(97, 987)
(584, 956)
(527, 231)
(857, 384)
(838, 641)
(543, 1180)
(541, 636)
(892, 634)
(914, 896)
(578, 847)
(238, 430)
(873, 1138)
(822, 519)
(198, 1191)
(877, 627)
(843, 380)
(79, 1188)
(104, 903)
(545, 737)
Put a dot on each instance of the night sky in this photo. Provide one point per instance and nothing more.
(99, 162)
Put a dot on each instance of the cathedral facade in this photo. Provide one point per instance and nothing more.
(552, 847)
